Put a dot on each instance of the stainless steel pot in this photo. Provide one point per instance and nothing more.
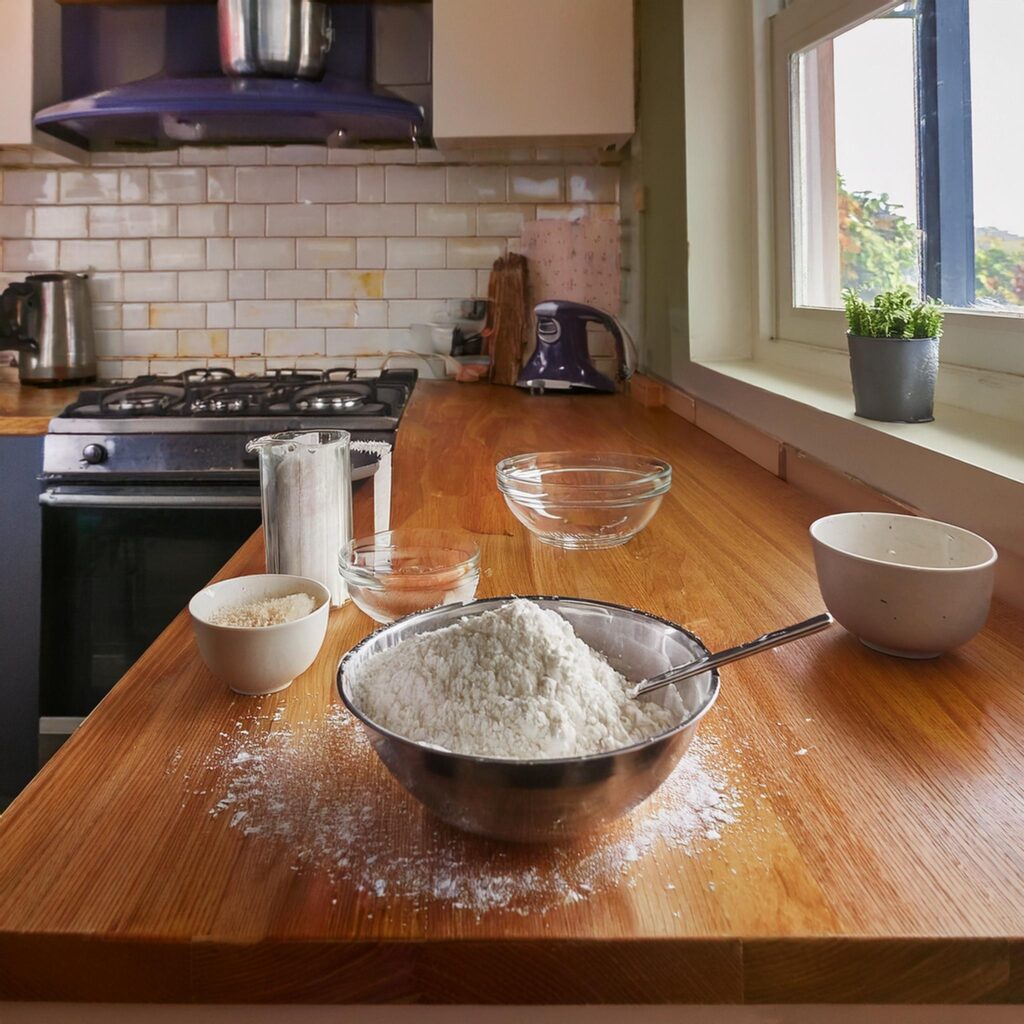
(285, 38)
(555, 800)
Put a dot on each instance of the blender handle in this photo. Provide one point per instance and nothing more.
(625, 349)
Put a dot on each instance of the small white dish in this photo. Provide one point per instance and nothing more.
(259, 659)
(903, 585)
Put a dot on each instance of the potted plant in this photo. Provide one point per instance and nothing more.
(894, 355)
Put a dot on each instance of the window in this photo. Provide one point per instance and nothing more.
(899, 148)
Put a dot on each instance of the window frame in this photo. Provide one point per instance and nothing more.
(986, 341)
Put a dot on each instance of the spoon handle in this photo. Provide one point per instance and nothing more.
(763, 643)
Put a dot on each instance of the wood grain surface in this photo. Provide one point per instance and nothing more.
(876, 853)
(27, 410)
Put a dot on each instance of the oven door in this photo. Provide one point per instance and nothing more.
(118, 564)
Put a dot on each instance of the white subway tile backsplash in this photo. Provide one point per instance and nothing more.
(247, 221)
(31, 186)
(88, 255)
(134, 185)
(414, 184)
(204, 220)
(177, 253)
(265, 313)
(304, 341)
(476, 184)
(150, 287)
(592, 184)
(534, 185)
(134, 254)
(265, 253)
(245, 342)
(295, 284)
(324, 253)
(371, 253)
(474, 252)
(445, 284)
(503, 221)
(370, 313)
(132, 221)
(295, 221)
(29, 254)
(220, 184)
(247, 284)
(135, 315)
(150, 344)
(361, 219)
(205, 344)
(288, 256)
(296, 155)
(17, 222)
(265, 185)
(252, 367)
(355, 284)
(203, 286)
(400, 284)
(220, 253)
(370, 184)
(440, 220)
(177, 185)
(89, 187)
(327, 184)
(220, 314)
(177, 314)
(325, 313)
(415, 253)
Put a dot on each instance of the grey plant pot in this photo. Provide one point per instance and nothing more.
(894, 378)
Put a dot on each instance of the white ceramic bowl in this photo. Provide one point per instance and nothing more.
(259, 659)
(903, 585)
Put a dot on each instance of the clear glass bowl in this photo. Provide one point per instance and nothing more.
(583, 500)
(399, 572)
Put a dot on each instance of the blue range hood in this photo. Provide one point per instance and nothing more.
(165, 112)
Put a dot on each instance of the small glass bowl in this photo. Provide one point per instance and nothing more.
(583, 500)
(398, 572)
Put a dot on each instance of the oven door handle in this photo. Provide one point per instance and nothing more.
(65, 499)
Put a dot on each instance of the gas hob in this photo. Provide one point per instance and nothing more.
(197, 422)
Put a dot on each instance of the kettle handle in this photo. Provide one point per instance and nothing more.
(12, 303)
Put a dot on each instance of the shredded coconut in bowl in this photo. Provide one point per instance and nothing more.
(270, 611)
(515, 682)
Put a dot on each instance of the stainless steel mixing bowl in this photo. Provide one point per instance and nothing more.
(554, 800)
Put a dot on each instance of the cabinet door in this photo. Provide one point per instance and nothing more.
(514, 71)
(30, 55)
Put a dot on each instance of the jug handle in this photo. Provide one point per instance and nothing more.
(12, 300)
(381, 482)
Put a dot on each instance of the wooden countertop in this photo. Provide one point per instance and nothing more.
(27, 410)
(192, 845)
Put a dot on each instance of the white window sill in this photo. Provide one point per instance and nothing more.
(991, 443)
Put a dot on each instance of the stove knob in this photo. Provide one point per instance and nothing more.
(94, 454)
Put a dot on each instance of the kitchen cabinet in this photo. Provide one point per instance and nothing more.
(554, 71)
(30, 54)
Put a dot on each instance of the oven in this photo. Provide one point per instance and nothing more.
(147, 490)
(118, 564)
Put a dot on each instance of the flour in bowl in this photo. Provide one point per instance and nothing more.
(515, 682)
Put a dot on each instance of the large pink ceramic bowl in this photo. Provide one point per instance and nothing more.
(904, 585)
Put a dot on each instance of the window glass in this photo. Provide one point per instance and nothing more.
(908, 149)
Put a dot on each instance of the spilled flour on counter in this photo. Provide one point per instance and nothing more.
(315, 793)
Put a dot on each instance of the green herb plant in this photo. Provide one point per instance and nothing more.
(893, 314)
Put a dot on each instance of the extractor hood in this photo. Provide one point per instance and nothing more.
(164, 112)
(150, 77)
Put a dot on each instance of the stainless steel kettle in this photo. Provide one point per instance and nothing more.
(48, 318)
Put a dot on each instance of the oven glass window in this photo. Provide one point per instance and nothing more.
(113, 579)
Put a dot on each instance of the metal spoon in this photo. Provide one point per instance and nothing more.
(710, 661)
